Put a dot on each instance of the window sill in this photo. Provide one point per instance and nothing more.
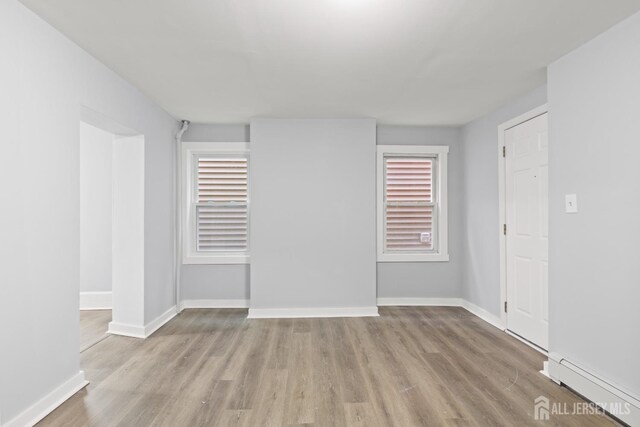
(216, 259)
(413, 257)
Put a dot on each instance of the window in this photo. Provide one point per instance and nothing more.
(412, 203)
(216, 203)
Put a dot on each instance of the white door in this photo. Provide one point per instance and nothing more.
(527, 219)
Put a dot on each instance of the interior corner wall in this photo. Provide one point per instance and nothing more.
(428, 279)
(481, 271)
(214, 281)
(45, 79)
(313, 213)
(594, 99)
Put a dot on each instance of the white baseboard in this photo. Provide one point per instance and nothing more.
(444, 302)
(126, 330)
(527, 343)
(96, 301)
(145, 331)
(483, 314)
(419, 302)
(277, 313)
(159, 321)
(47, 404)
(612, 399)
(545, 371)
(343, 312)
(214, 303)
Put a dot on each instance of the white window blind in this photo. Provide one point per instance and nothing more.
(410, 209)
(221, 203)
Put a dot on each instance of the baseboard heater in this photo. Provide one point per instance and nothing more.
(612, 399)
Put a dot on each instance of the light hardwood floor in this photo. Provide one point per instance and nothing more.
(93, 326)
(426, 366)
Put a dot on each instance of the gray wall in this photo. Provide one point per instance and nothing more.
(594, 268)
(428, 279)
(44, 81)
(200, 132)
(425, 280)
(215, 281)
(313, 201)
(96, 152)
(480, 218)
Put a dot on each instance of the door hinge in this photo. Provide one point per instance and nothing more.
(504, 229)
(504, 151)
(505, 306)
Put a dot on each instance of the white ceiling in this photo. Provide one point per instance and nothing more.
(441, 62)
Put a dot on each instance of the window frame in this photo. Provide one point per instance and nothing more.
(189, 152)
(440, 252)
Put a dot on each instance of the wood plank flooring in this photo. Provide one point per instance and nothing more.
(412, 366)
(93, 326)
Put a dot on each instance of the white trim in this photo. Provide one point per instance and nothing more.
(483, 314)
(502, 205)
(440, 151)
(159, 321)
(603, 393)
(526, 342)
(96, 301)
(215, 259)
(44, 406)
(279, 313)
(189, 253)
(413, 149)
(142, 331)
(477, 311)
(215, 303)
(545, 371)
(125, 330)
(420, 302)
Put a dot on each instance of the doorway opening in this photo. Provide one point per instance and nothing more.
(111, 230)
(96, 199)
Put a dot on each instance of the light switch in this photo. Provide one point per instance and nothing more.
(571, 203)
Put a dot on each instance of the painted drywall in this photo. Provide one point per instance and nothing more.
(394, 280)
(428, 279)
(128, 232)
(198, 132)
(44, 81)
(96, 151)
(594, 99)
(313, 213)
(215, 282)
(481, 275)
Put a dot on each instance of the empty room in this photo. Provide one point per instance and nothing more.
(319, 213)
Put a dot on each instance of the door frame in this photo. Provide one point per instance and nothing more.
(502, 200)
